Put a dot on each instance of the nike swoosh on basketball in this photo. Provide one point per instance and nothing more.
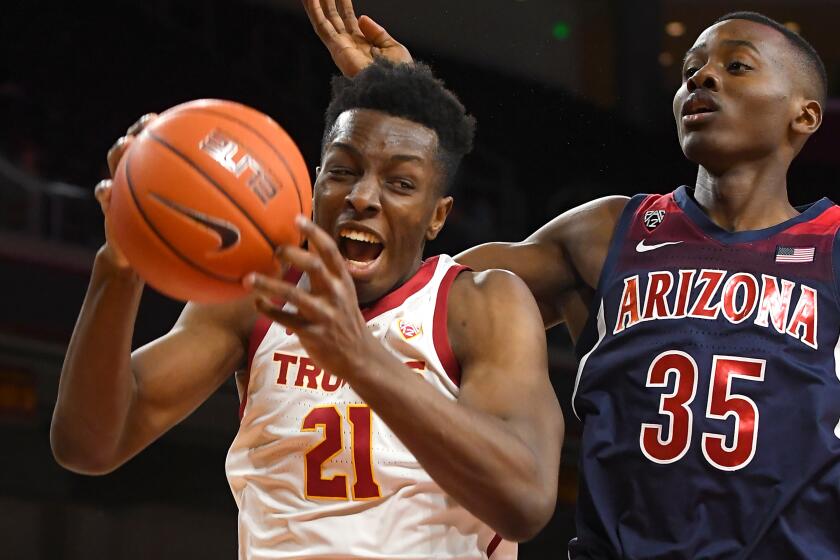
(642, 248)
(228, 233)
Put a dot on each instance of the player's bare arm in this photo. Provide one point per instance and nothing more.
(353, 42)
(111, 402)
(507, 411)
(561, 262)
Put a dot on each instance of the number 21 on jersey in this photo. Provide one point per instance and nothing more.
(722, 403)
(330, 420)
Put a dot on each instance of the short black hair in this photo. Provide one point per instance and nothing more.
(808, 54)
(409, 91)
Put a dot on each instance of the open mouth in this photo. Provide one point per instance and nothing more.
(359, 248)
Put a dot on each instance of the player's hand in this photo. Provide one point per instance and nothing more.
(352, 42)
(327, 320)
(103, 188)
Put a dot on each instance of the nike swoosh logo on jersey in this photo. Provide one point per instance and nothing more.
(228, 233)
(642, 248)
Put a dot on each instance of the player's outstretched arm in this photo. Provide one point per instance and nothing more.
(565, 254)
(353, 42)
(112, 403)
(497, 449)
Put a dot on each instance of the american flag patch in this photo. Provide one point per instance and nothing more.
(794, 254)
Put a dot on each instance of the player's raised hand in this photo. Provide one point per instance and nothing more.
(103, 188)
(327, 319)
(353, 42)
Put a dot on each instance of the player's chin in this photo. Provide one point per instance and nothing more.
(701, 148)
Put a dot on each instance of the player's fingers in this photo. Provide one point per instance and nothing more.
(289, 320)
(322, 26)
(141, 123)
(117, 151)
(310, 307)
(324, 245)
(323, 280)
(376, 34)
(102, 192)
(274, 289)
(119, 148)
(331, 13)
(348, 16)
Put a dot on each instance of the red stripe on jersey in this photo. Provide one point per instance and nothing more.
(398, 296)
(261, 326)
(440, 336)
(258, 332)
(494, 544)
(826, 223)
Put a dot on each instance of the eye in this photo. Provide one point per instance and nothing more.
(737, 66)
(402, 184)
(339, 172)
(690, 71)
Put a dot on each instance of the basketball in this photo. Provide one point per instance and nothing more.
(203, 196)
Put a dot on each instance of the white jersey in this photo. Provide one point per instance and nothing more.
(316, 474)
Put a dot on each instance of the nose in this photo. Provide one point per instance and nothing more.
(705, 77)
(364, 196)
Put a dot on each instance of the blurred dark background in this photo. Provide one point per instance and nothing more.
(573, 101)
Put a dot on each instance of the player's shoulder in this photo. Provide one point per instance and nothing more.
(484, 306)
(489, 292)
(485, 283)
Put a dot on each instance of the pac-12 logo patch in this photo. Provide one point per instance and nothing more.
(409, 330)
(653, 218)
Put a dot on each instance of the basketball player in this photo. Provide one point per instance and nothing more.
(397, 408)
(705, 320)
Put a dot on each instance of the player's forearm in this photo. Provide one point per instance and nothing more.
(476, 458)
(96, 385)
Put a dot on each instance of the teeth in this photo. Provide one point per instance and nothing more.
(358, 235)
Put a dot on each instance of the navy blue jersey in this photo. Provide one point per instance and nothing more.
(709, 390)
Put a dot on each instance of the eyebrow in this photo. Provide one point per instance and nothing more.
(357, 153)
(726, 42)
(406, 157)
(346, 147)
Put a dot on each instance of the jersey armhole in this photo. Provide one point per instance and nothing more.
(588, 335)
(258, 332)
(440, 333)
(618, 238)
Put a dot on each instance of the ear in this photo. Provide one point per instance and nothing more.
(317, 171)
(809, 118)
(442, 208)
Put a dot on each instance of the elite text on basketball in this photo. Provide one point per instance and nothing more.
(224, 150)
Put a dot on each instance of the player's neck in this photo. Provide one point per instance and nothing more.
(745, 198)
(368, 298)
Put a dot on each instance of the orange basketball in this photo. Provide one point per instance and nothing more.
(204, 195)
